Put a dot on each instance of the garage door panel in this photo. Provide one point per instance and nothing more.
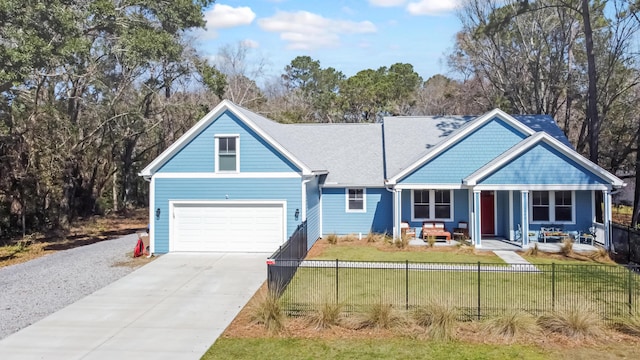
(235, 227)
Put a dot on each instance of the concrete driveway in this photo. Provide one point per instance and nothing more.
(172, 308)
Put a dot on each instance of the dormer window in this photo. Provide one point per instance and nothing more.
(227, 150)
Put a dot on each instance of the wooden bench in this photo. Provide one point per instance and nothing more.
(435, 229)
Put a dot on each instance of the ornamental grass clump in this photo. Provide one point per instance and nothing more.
(439, 317)
(566, 248)
(576, 322)
(431, 240)
(511, 324)
(326, 315)
(381, 316)
(628, 325)
(599, 255)
(332, 239)
(268, 312)
(402, 242)
(533, 250)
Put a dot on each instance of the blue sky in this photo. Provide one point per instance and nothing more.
(347, 35)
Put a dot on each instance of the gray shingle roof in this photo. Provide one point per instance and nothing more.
(353, 153)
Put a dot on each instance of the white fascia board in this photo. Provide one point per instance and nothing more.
(542, 187)
(354, 186)
(230, 175)
(203, 123)
(527, 144)
(429, 186)
(472, 126)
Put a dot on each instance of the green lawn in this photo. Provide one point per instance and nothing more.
(371, 253)
(395, 348)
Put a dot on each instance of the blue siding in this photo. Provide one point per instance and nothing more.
(313, 212)
(468, 155)
(542, 164)
(288, 189)
(460, 209)
(377, 218)
(256, 155)
(583, 209)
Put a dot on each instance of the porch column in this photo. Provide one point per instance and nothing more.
(476, 233)
(524, 221)
(606, 196)
(395, 214)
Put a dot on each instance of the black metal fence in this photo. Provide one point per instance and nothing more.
(283, 264)
(625, 243)
(477, 290)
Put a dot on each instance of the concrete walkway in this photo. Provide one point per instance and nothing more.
(173, 308)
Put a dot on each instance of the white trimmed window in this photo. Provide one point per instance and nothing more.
(552, 206)
(356, 200)
(432, 205)
(227, 153)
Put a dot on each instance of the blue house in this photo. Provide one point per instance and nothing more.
(238, 181)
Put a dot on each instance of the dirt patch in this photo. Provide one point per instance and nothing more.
(83, 232)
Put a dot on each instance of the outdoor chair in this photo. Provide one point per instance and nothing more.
(462, 231)
(407, 230)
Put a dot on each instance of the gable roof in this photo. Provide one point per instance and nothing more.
(530, 142)
(194, 131)
(449, 138)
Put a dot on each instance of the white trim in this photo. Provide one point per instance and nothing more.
(364, 200)
(529, 143)
(303, 215)
(320, 209)
(540, 187)
(432, 205)
(152, 215)
(173, 203)
(216, 155)
(430, 186)
(203, 123)
(593, 207)
(495, 213)
(511, 230)
(466, 130)
(227, 175)
(552, 209)
(352, 186)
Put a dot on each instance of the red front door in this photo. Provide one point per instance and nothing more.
(488, 213)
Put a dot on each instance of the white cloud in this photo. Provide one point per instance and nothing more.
(386, 3)
(432, 7)
(225, 16)
(305, 31)
(251, 44)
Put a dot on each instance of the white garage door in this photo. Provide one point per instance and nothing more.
(228, 227)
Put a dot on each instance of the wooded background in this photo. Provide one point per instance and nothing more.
(93, 90)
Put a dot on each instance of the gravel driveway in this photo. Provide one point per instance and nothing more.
(30, 291)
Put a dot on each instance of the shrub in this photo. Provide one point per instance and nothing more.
(567, 247)
(578, 322)
(630, 325)
(599, 255)
(401, 242)
(533, 250)
(332, 239)
(267, 311)
(381, 316)
(374, 237)
(511, 324)
(431, 240)
(326, 315)
(439, 317)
